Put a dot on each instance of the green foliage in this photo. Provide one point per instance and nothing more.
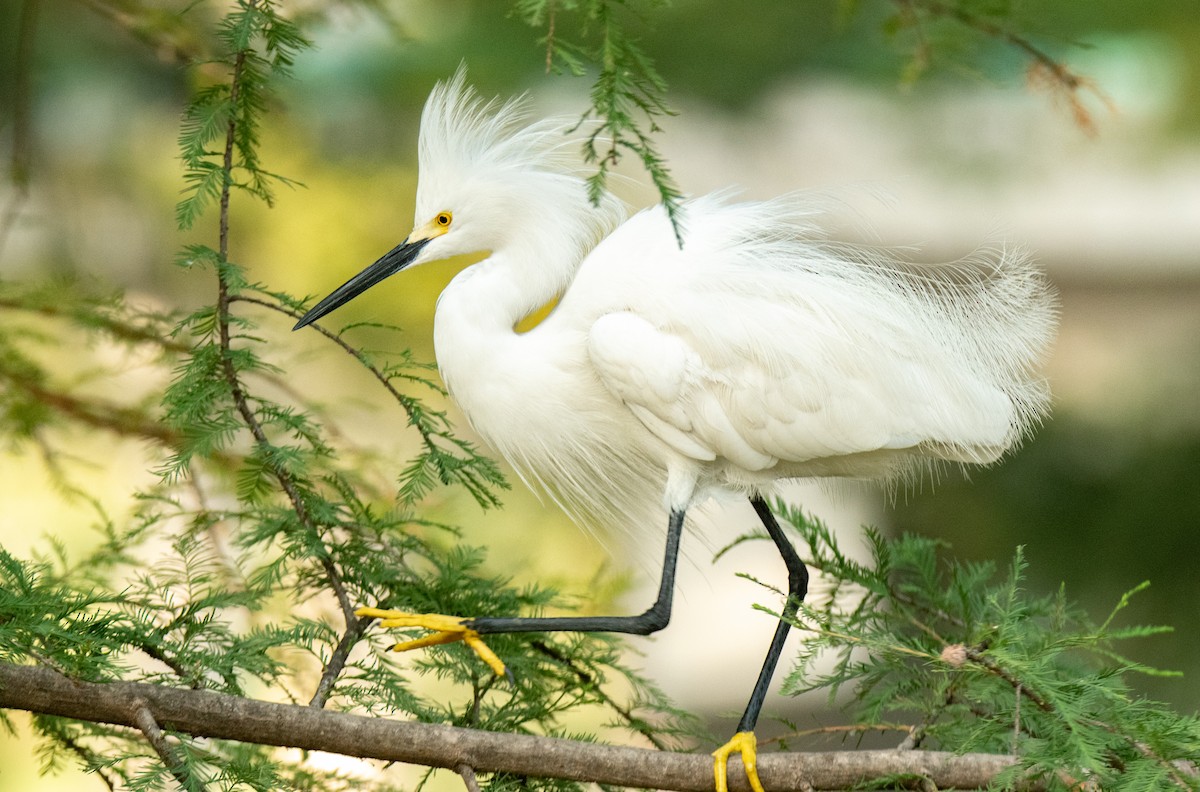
(975, 663)
(242, 564)
(628, 91)
(257, 45)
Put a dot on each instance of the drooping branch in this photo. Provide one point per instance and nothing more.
(1044, 70)
(203, 713)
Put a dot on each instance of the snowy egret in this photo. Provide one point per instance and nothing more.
(758, 350)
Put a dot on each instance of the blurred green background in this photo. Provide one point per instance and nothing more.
(771, 97)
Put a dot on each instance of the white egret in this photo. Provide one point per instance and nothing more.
(758, 350)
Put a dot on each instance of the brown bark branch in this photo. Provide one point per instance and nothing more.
(170, 36)
(337, 662)
(145, 722)
(100, 414)
(468, 777)
(203, 713)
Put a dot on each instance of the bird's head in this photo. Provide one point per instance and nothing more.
(487, 178)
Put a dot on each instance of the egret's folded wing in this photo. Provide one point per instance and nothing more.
(739, 412)
(650, 372)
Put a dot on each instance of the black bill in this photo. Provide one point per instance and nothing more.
(392, 262)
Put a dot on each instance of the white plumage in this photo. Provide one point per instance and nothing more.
(759, 350)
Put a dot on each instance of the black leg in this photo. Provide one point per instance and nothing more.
(653, 620)
(797, 589)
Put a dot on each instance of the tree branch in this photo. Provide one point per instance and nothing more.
(204, 713)
(337, 661)
(99, 414)
(240, 400)
(468, 777)
(1044, 68)
(144, 720)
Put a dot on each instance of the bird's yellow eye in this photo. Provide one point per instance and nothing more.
(443, 219)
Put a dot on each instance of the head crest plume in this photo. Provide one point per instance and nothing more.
(464, 136)
(473, 150)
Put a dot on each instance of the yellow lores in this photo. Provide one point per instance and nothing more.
(753, 348)
(439, 225)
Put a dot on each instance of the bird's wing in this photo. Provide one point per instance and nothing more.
(741, 411)
(723, 353)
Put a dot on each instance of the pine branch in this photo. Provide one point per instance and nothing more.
(590, 682)
(97, 413)
(220, 716)
(627, 97)
(1045, 70)
(239, 138)
(475, 472)
(957, 12)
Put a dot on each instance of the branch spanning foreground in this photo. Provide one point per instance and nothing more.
(207, 714)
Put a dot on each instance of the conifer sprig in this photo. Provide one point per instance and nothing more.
(978, 663)
(259, 45)
(263, 528)
(289, 514)
(628, 96)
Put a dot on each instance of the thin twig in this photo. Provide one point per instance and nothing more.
(430, 434)
(916, 735)
(550, 15)
(468, 777)
(964, 17)
(1044, 67)
(144, 720)
(1175, 770)
(634, 722)
(979, 658)
(1016, 721)
(119, 329)
(99, 414)
(404, 401)
(180, 670)
(337, 662)
(170, 36)
(88, 758)
(354, 628)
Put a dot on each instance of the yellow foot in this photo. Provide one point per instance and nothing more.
(446, 629)
(745, 744)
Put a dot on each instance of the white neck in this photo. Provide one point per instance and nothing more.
(473, 327)
(550, 227)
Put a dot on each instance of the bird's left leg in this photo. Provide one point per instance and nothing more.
(448, 629)
(744, 742)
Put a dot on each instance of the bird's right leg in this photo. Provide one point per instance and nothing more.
(447, 629)
(743, 742)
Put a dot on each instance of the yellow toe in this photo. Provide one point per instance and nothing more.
(746, 746)
(445, 629)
